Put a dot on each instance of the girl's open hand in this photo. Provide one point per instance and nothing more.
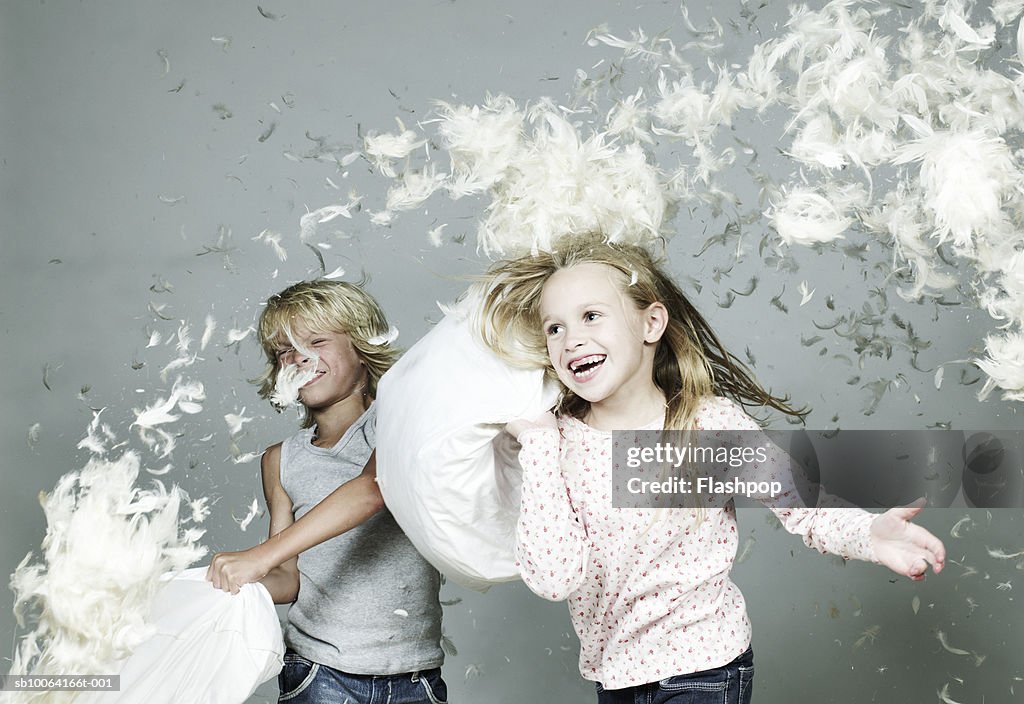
(904, 547)
(517, 427)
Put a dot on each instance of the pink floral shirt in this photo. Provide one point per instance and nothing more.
(648, 591)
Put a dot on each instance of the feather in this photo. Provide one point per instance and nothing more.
(289, 380)
(978, 659)
(1004, 365)
(383, 149)
(382, 218)
(481, 141)
(1006, 11)
(944, 697)
(636, 46)
(254, 512)
(274, 240)
(805, 294)
(162, 53)
(236, 335)
(236, 421)
(958, 527)
(629, 119)
(965, 177)
(414, 189)
(239, 457)
(816, 144)
(107, 545)
(183, 360)
(562, 183)
(47, 368)
(308, 223)
(386, 339)
(806, 217)
(184, 395)
(291, 377)
(200, 509)
(208, 330)
(1005, 301)
(32, 437)
(953, 20)
(434, 235)
(96, 436)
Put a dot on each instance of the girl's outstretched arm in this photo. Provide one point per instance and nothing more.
(552, 547)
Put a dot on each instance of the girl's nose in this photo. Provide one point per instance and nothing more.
(572, 341)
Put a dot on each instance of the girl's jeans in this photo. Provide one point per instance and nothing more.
(729, 684)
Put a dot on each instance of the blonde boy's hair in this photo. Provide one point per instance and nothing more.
(690, 362)
(325, 306)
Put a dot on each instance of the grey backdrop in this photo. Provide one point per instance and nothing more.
(118, 168)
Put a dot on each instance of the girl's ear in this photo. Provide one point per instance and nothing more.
(655, 321)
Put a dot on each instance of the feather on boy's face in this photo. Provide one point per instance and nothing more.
(339, 374)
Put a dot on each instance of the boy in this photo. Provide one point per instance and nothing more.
(365, 620)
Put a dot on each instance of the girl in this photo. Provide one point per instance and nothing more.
(364, 624)
(651, 600)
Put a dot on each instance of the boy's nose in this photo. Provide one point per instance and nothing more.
(296, 357)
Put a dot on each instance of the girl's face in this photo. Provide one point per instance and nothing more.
(600, 345)
(340, 374)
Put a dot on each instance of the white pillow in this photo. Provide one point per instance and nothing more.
(209, 646)
(447, 470)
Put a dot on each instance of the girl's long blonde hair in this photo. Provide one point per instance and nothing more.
(690, 363)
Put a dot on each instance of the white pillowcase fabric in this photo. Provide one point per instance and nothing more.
(447, 470)
(210, 647)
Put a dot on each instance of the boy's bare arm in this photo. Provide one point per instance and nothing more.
(230, 570)
(346, 507)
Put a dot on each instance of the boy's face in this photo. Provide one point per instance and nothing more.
(340, 374)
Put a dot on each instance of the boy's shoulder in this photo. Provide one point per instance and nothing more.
(272, 456)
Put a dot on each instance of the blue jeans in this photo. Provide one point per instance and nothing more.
(305, 682)
(729, 684)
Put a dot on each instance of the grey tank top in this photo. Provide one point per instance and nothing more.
(368, 601)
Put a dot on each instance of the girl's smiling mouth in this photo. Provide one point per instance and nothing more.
(584, 368)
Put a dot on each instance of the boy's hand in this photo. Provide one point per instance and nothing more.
(228, 571)
(517, 427)
(903, 547)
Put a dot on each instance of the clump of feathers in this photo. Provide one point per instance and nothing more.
(107, 544)
(898, 124)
